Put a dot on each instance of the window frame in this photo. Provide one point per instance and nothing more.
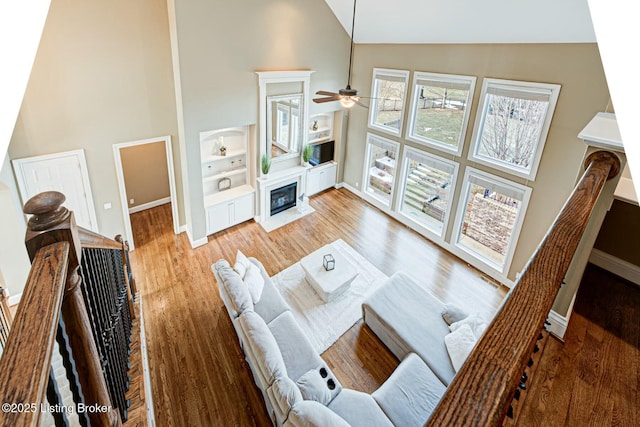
(463, 200)
(450, 78)
(481, 115)
(395, 74)
(406, 154)
(366, 168)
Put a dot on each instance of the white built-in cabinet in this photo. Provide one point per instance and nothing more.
(321, 177)
(320, 127)
(229, 199)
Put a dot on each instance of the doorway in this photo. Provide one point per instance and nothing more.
(126, 155)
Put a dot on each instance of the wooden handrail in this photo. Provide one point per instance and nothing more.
(24, 366)
(92, 240)
(481, 392)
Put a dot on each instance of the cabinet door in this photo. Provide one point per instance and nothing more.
(218, 217)
(244, 208)
(329, 177)
(313, 182)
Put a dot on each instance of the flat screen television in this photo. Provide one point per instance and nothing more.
(322, 153)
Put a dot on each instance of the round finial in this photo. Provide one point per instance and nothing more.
(47, 210)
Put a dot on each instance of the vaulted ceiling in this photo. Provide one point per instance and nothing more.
(467, 21)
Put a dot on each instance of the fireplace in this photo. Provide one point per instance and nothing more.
(283, 198)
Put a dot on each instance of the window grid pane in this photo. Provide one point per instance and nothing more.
(439, 114)
(381, 167)
(489, 219)
(428, 184)
(511, 129)
(388, 91)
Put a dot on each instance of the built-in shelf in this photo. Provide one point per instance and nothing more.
(323, 131)
(229, 198)
(224, 174)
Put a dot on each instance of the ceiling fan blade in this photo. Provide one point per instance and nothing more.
(320, 100)
(324, 92)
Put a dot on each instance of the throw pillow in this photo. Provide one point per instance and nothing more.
(459, 344)
(474, 321)
(255, 282)
(314, 387)
(453, 313)
(242, 264)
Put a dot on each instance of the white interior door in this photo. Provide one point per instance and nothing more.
(64, 172)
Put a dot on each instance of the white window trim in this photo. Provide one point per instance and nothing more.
(365, 172)
(409, 134)
(479, 123)
(372, 107)
(452, 195)
(460, 212)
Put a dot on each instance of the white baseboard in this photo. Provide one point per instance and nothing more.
(617, 266)
(149, 205)
(15, 299)
(339, 185)
(558, 325)
(182, 228)
(352, 189)
(196, 243)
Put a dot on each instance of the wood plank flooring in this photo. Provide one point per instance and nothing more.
(593, 379)
(199, 377)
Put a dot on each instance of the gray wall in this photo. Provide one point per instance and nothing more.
(222, 44)
(102, 75)
(577, 67)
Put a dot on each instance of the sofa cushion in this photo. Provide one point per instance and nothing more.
(459, 345)
(359, 409)
(285, 394)
(309, 413)
(242, 264)
(475, 322)
(453, 313)
(271, 303)
(313, 387)
(297, 352)
(255, 282)
(410, 394)
(236, 294)
(408, 318)
(262, 347)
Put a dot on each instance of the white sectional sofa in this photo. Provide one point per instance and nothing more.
(298, 387)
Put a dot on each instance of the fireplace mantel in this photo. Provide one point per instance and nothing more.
(277, 179)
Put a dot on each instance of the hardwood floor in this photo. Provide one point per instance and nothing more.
(198, 373)
(593, 379)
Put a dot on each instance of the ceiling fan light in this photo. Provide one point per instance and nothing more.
(347, 101)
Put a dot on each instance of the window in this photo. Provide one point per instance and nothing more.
(440, 106)
(489, 218)
(427, 192)
(380, 168)
(388, 92)
(512, 125)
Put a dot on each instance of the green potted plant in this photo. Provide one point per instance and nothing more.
(307, 152)
(265, 164)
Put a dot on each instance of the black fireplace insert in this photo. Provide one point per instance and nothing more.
(283, 198)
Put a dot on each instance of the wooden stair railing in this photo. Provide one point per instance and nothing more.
(80, 275)
(481, 392)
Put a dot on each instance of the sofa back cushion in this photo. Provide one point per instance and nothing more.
(309, 413)
(261, 348)
(233, 290)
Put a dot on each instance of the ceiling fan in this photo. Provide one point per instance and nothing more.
(348, 97)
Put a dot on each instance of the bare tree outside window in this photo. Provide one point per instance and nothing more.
(512, 129)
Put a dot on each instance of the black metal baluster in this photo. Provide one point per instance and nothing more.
(70, 369)
(53, 397)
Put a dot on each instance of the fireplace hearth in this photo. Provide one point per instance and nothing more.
(283, 198)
